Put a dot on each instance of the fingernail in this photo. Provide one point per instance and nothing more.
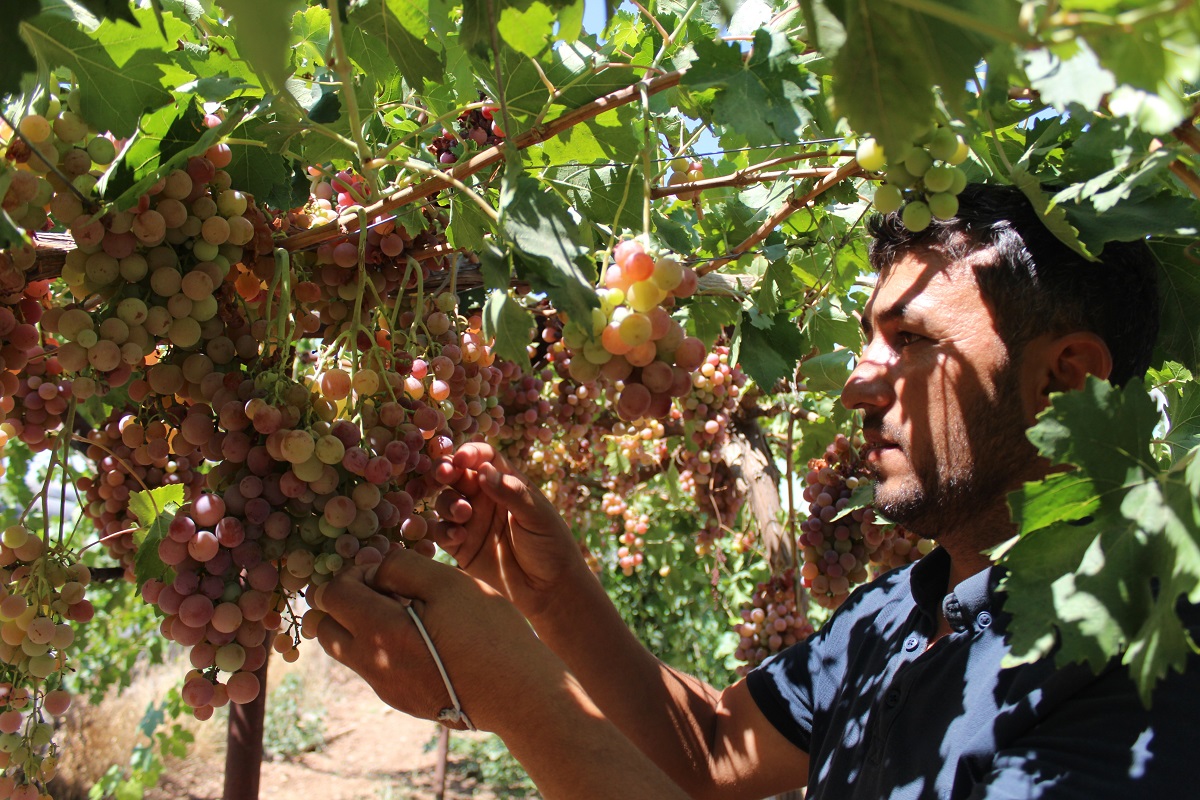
(369, 574)
(492, 476)
(314, 599)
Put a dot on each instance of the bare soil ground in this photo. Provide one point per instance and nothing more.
(371, 751)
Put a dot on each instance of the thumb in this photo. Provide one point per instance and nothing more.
(514, 493)
(410, 575)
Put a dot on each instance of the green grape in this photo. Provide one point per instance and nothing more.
(870, 155)
(944, 144)
(939, 179)
(943, 205)
(916, 216)
(898, 176)
(102, 150)
(888, 198)
(918, 161)
(960, 181)
(679, 164)
(960, 153)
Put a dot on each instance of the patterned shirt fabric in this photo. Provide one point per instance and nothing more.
(885, 716)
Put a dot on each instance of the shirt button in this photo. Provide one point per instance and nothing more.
(984, 619)
(911, 643)
(892, 697)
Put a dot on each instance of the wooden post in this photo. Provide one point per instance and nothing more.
(443, 758)
(244, 745)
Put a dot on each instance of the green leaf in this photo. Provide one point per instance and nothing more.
(546, 242)
(510, 324)
(1179, 334)
(765, 98)
(1142, 215)
(17, 59)
(778, 284)
(1066, 78)
(388, 35)
(827, 372)
(1095, 583)
(526, 30)
(468, 224)
(154, 511)
(608, 195)
(1061, 497)
(120, 71)
(262, 29)
(110, 9)
(881, 88)
(266, 176)
(707, 317)
(769, 354)
(1183, 411)
(1055, 219)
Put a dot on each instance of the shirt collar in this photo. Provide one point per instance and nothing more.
(962, 607)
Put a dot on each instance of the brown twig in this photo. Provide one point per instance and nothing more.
(847, 170)
(739, 178)
(482, 160)
(1189, 179)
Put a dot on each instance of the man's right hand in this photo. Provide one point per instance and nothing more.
(503, 531)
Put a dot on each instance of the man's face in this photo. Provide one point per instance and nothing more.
(942, 406)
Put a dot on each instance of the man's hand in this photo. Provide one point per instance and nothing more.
(503, 531)
(486, 647)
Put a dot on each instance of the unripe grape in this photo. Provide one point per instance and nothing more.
(888, 198)
(918, 162)
(943, 205)
(943, 145)
(916, 216)
(870, 155)
(939, 179)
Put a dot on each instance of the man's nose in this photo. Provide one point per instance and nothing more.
(870, 385)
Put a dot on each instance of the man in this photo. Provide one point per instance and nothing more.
(973, 323)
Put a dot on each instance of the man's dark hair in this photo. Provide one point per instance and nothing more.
(1036, 284)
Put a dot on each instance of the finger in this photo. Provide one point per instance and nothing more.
(453, 507)
(446, 473)
(471, 455)
(355, 605)
(335, 640)
(514, 492)
(406, 574)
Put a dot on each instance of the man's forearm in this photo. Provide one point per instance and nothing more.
(572, 751)
(669, 716)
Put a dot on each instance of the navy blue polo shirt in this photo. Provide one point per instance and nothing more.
(884, 718)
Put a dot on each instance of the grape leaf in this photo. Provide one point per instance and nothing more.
(467, 225)
(162, 136)
(769, 355)
(1055, 219)
(110, 9)
(266, 176)
(764, 98)
(827, 372)
(120, 72)
(154, 510)
(387, 35)
(881, 88)
(1179, 335)
(1142, 214)
(707, 317)
(1063, 497)
(608, 195)
(1093, 581)
(510, 324)
(17, 59)
(546, 243)
(1071, 77)
(1183, 410)
(262, 29)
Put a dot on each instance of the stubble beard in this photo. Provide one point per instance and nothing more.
(968, 500)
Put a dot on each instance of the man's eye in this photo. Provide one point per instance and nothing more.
(905, 338)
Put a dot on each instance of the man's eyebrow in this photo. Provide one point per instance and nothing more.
(897, 310)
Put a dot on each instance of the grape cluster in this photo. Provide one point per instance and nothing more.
(630, 527)
(42, 592)
(684, 171)
(477, 128)
(134, 452)
(632, 339)
(707, 411)
(925, 180)
(838, 545)
(771, 621)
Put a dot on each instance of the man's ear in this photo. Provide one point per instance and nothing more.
(1064, 362)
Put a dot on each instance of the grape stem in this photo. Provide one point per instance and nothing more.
(847, 170)
(482, 160)
(739, 178)
(425, 169)
(345, 73)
